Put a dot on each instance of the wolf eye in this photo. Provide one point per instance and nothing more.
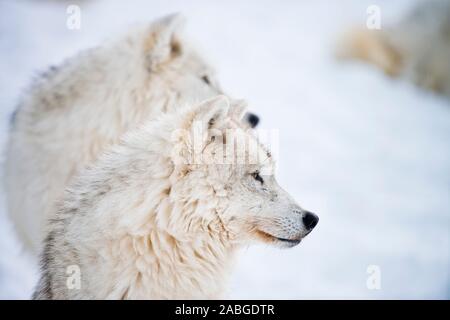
(257, 177)
(206, 80)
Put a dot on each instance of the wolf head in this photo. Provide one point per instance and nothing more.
(223, 182)
(170, 59)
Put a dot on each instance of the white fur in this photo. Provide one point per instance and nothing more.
(144, 222)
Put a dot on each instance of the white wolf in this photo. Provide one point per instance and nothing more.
(75, 111)
(417, 48)
(145, 221)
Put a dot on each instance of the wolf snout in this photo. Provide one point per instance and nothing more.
(310, 220)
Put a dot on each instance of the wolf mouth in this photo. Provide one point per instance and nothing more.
(268, 237)
(290, 241)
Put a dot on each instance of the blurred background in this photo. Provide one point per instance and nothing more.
(369, 154)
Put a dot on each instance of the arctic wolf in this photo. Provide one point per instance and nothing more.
(75, 111)
(417, 48)
(162, 212)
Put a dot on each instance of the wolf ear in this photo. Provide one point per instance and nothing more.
(212, 110)
(163, 43)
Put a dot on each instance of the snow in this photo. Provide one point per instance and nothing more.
(368, 154)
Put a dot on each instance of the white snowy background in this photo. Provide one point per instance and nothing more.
(370, 155)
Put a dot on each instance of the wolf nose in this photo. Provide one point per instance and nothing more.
(310, 220)
(252, 119)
